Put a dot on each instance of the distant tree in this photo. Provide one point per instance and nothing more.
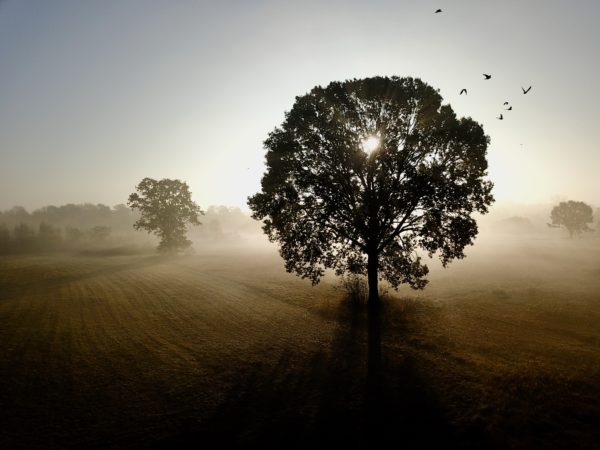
(99, 233)
(15, 216)
(73, 234)
(573, 216)
(24, 235)
(48, 236)
(226, 225)
(19, 214)
(4, 237)
(166, 208)
(362, 174)
(123, 217)
(48, 215)
(215, 229)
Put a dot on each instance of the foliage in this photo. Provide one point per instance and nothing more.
(66, 227)
(24, 234)
(166, 207)
(86, 226)
(330, 205)
(84, 216)
(73, 234)
(572, 215)
(355, 286)
(48, 236)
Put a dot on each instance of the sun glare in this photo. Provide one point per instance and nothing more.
(370, 144)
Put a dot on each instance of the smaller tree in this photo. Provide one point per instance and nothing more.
(574, 216)
(166, 208)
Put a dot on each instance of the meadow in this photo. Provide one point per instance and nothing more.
(224, 349)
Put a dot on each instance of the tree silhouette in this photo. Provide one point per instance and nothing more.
(362, 174)
(572, 215)
(166, 207)
(330, 203)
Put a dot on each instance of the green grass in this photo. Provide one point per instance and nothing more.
(227, 350)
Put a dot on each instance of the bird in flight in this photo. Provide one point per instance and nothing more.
(509, 108)
(500, 118)
(487, 77)
(464, 91)
(438, 11)
(525, 91)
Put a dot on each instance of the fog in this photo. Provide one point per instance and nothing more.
(98, 326)
(515, 248)
(508, 227)
(98, 227)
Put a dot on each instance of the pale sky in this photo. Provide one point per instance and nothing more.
(95, 96)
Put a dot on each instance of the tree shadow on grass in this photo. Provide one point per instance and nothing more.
(77, 274)
(320, 401)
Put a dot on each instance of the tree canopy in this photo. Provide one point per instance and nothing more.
(364, 173)
(166, 208)
(572, 215)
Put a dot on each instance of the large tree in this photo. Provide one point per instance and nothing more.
(166, 208)
(572, 215)
(364, 173)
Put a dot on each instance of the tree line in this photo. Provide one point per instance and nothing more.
(63, 227)
(81, 226)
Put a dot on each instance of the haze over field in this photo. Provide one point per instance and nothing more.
(226, 350)
(97, 95)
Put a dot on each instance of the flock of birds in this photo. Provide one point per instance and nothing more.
(487, 76)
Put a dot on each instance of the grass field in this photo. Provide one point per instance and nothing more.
(224, 349)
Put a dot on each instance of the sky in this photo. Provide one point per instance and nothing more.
(95, 96)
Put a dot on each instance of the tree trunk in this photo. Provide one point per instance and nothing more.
(374, 370)
(372, 270)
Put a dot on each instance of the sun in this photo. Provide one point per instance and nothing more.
(370, 144)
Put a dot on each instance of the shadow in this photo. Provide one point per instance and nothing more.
(10, 287)
(324, 402)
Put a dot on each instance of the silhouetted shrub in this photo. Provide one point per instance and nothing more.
(356, 287)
